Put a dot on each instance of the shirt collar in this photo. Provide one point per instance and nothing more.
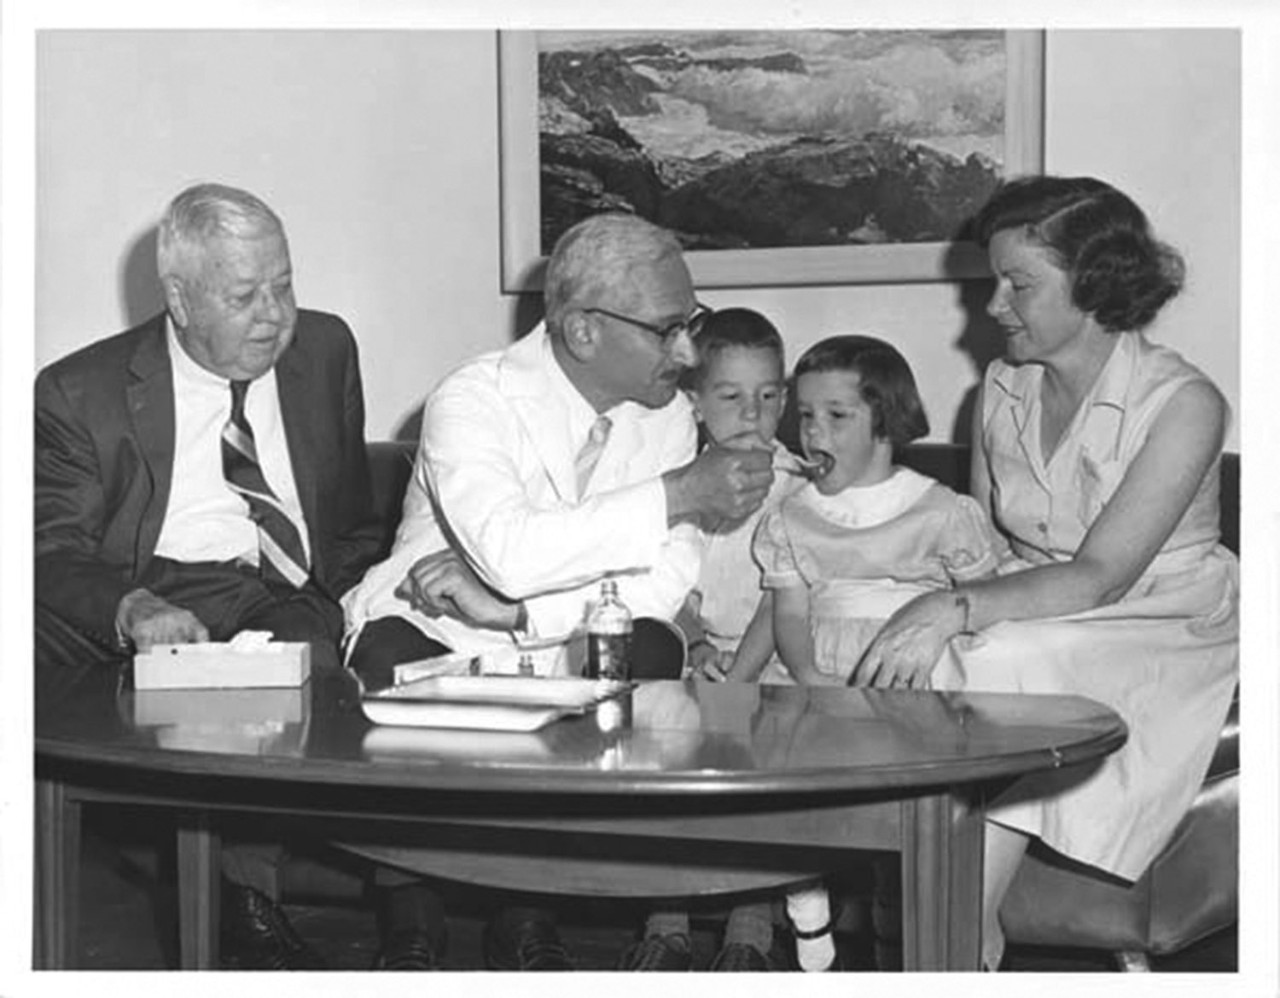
(1113, 382)
(187, 373)
(185, 369)
(1109, 390)
(582, 416)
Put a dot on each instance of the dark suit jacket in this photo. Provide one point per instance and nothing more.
(104, 425)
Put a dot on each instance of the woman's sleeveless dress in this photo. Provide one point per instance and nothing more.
(1165, 656)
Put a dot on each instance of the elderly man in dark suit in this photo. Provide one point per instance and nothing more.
(202, 474)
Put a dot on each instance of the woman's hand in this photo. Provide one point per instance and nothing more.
(909, 645)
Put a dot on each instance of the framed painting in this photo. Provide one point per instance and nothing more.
(777, 157)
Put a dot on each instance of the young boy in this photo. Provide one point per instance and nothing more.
(738, 390)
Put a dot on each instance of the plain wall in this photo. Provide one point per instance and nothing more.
(380, 151)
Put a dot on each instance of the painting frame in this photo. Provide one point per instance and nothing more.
(522, 263)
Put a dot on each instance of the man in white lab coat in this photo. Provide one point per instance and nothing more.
(523, 497)
(496, 537)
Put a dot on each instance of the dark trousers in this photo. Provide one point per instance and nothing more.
(656, 650)
(227, 598)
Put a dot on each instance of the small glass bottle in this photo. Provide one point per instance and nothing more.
(525, 666)
(609, 636)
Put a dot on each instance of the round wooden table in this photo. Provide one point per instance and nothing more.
(704, 788)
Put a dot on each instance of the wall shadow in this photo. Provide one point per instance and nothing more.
(529, 312)
(410, 428)
(139, 284)
(980, 339)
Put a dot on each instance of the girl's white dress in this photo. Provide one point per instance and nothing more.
(864, 552)
(1165, 657)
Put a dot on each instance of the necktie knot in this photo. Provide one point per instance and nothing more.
(239, 389)
(585, 463)
(599, 433)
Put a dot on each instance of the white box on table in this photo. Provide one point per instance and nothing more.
(218, 665)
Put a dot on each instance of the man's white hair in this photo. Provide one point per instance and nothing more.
(594, 256)
(205, 212)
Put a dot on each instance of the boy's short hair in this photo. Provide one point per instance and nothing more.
(733, 327)
(884, 380)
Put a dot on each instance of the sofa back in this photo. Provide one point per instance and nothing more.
(391, 461)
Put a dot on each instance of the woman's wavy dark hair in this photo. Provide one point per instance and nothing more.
(884, 379)
(1120, 273)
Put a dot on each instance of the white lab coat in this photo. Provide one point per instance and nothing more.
(496, 464)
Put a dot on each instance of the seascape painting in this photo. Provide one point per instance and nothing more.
(742, 141)
(766, 139)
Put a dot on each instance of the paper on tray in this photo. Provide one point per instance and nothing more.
(493, 703)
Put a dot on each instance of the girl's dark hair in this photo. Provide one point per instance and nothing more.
(733, 327)
(884, 380)
(1120, 273)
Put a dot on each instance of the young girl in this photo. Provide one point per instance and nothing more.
(865, 535)
(862, 538)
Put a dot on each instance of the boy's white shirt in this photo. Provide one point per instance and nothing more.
(729, 580)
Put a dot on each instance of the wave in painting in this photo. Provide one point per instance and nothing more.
(858, 136)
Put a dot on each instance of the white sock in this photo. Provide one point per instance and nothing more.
(810, 909)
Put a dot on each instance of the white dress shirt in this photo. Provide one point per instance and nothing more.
(205, 520)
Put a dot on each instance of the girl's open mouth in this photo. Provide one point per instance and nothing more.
(817, 466)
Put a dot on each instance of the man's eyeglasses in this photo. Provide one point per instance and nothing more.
(690, 324)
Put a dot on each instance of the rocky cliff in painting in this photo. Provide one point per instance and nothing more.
(783, 189)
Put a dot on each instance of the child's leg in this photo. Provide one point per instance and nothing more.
(751, 924)
(809, 909)
(669, 922)
(665, 944)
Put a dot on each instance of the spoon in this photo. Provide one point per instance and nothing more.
(814, 467)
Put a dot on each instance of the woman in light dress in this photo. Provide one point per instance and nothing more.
(1097, 453)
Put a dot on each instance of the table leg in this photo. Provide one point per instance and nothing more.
(56, 922)
(199, 891)
(942, 838)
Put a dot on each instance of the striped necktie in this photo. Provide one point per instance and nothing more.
(585, 463)
(281, 554)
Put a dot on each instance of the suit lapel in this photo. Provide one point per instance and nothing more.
(300, 422)
(540, 408)
(149, 395)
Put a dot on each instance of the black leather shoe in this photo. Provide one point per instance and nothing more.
(410, 950)
(256, 934)
(524, 939)
(669, 951)
(412, 928)
(741, 957)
